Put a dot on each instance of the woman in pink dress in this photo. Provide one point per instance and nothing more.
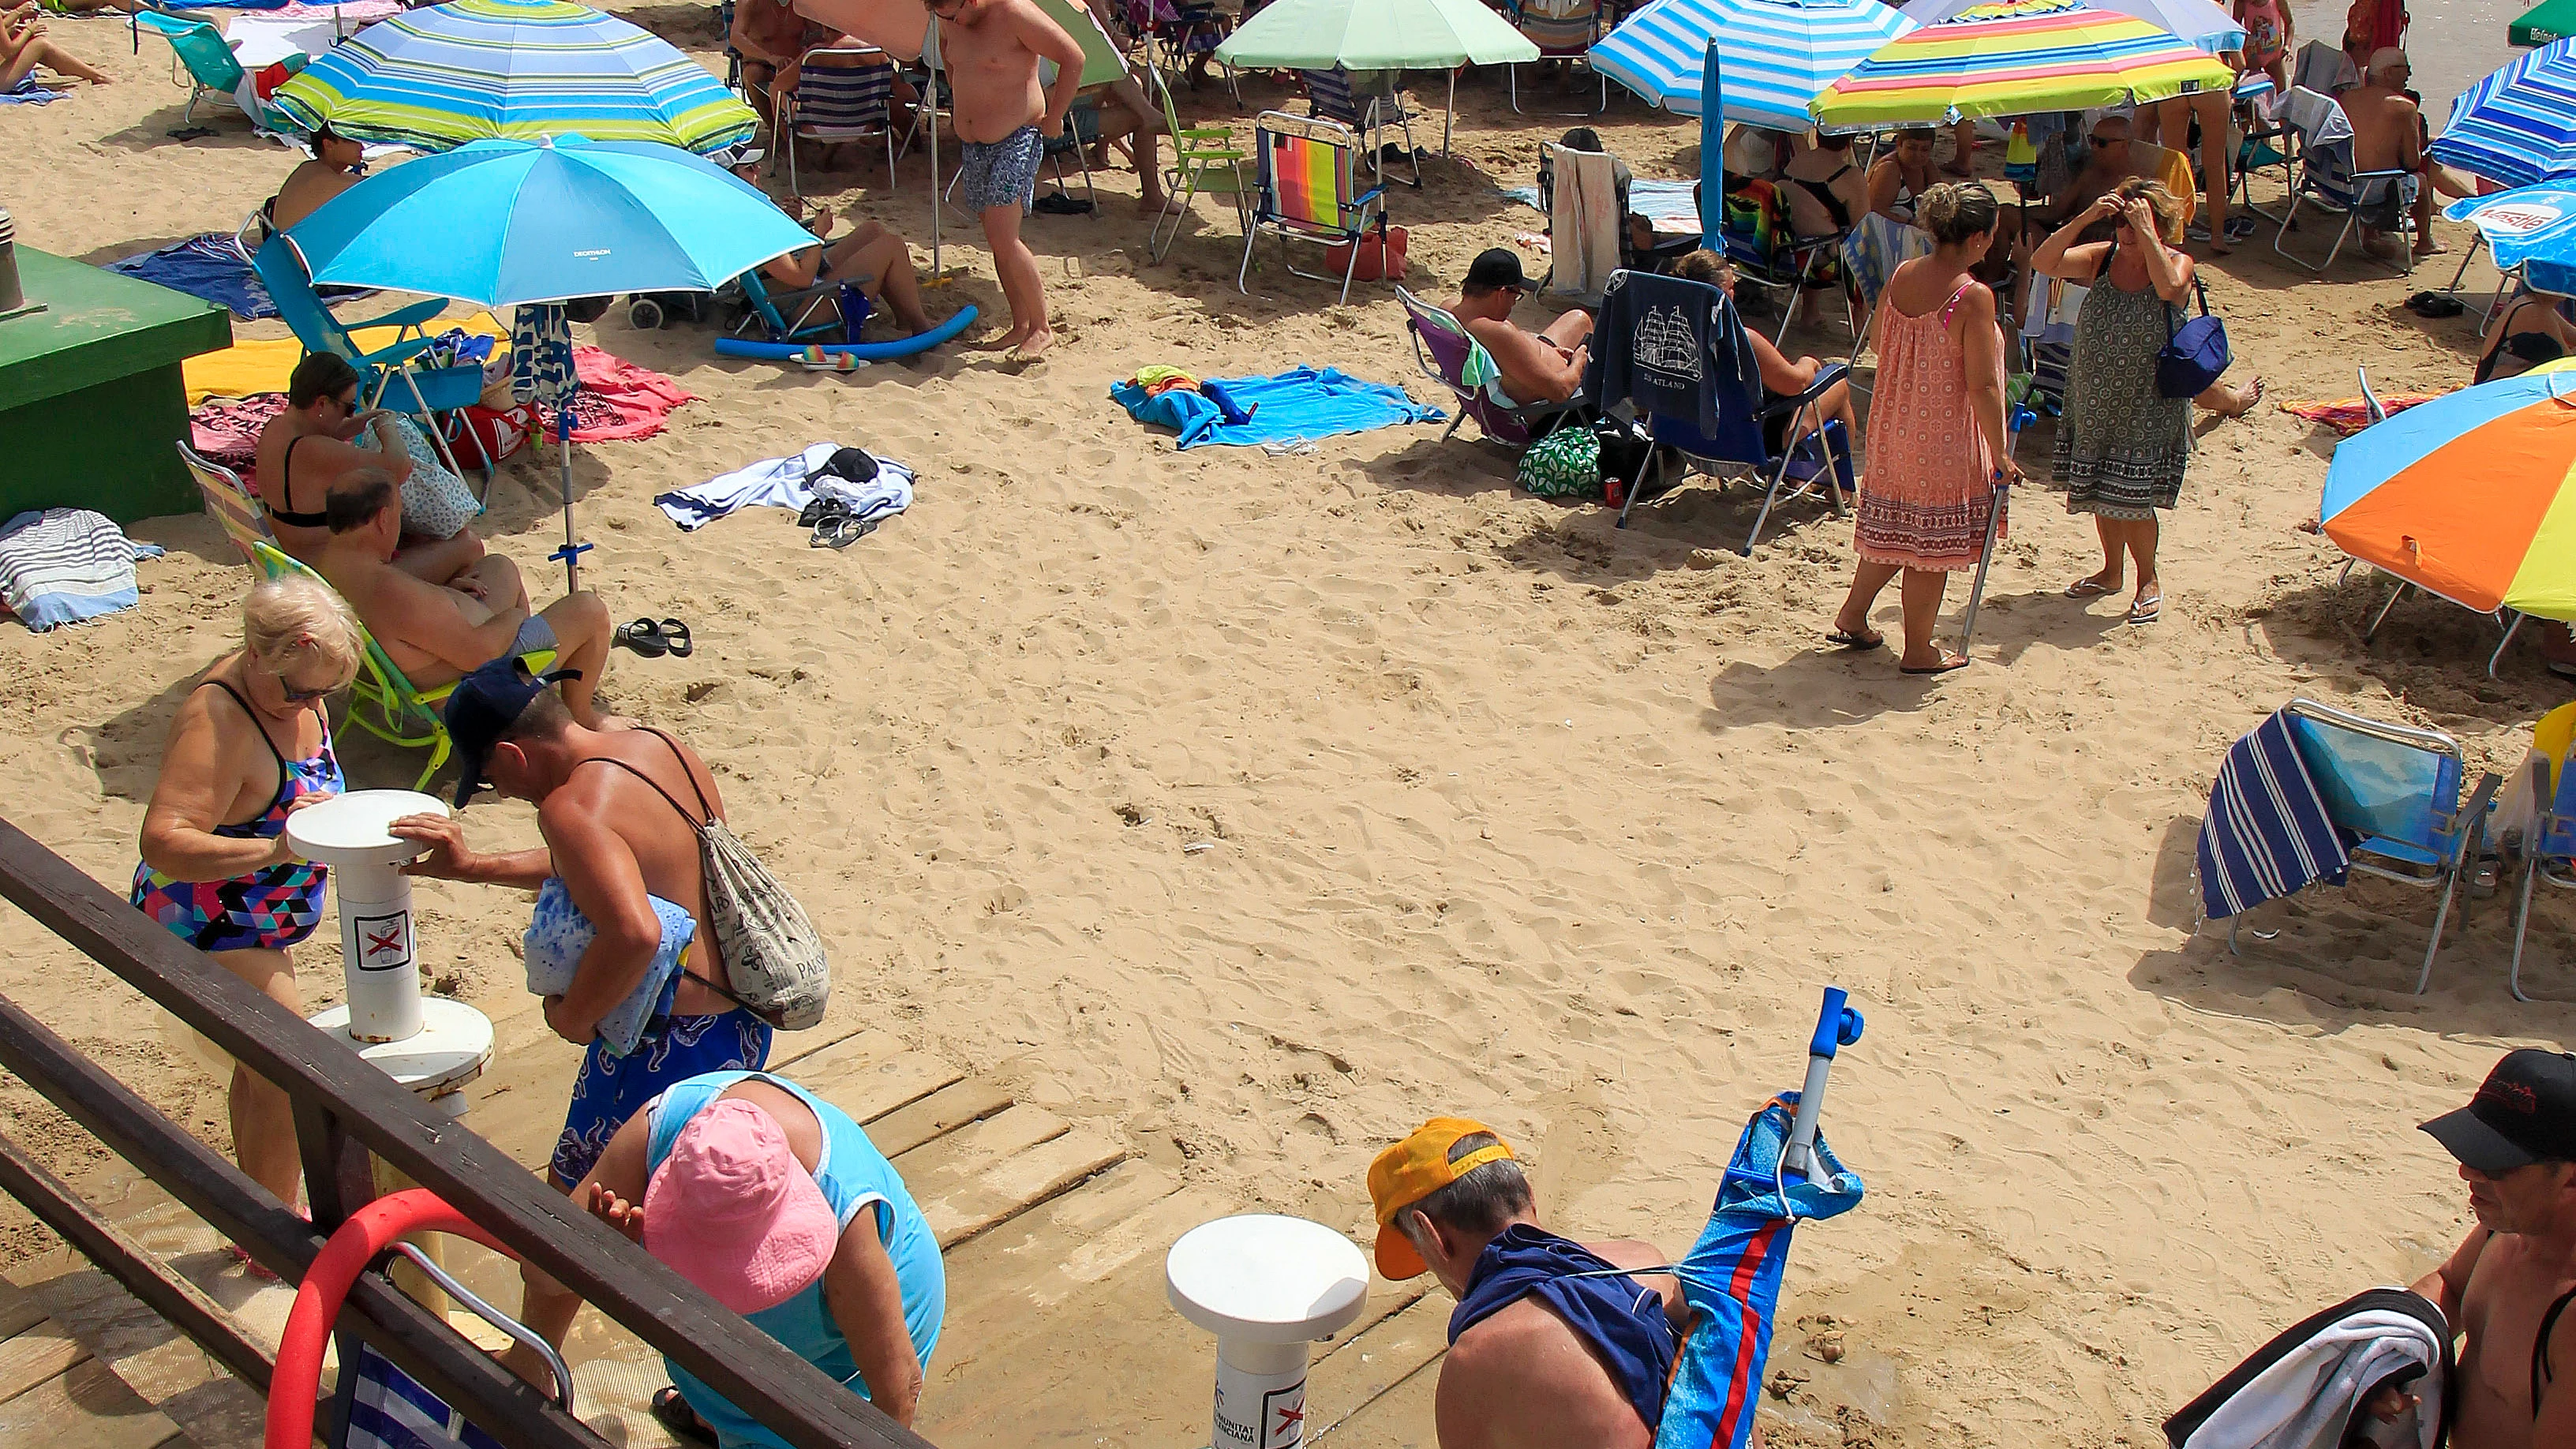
(1936, 428)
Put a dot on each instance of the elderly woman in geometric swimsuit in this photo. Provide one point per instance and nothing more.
(250, 746)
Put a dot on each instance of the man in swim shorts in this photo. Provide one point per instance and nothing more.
(1539, 1356)
(991, 50)
(2510, 1287)
(619, 810)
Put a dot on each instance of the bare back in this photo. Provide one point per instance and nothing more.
(1521, 1379)
(992, 67)
(2387, 129)
(297, 462)
(2509, 1291)
(656, 834)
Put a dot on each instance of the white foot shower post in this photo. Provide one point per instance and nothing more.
(1268, 1287)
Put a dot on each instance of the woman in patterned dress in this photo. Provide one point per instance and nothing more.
(1936, 427)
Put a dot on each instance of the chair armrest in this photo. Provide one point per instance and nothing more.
(1826, 377)
(411, 316)
(398, 354)
(2473, 817)
(1367, 198)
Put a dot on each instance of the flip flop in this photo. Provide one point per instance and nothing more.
(673, 1413)
(1843, 639)
(2146, 610)
(2088, 588)
(676, 635)
(644, 637)
(1944, 667)
(841, 532)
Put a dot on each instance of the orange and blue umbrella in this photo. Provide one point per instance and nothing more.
(2467, 496)
(2014, 58)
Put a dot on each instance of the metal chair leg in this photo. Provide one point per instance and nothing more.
(2450, 885)
(2502, 644)
(2521, 925)
(2382, 616)
(1779, 474)
(1637, 484)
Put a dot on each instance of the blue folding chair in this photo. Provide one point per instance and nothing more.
(1728, 375)
(806, 314)
(2549, 848)
(432, 391)
(2393, 792)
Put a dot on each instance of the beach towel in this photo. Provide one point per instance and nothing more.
(1298, 405)
(1583, 231)
(64, 565)
(618, 399)
(2302, 1389)
(1619, 1320)
(2266, 834)
(208, 267)
(27, 93)
(2349, 415)
(557, 935)
(1873, 250)
(790, 482)
(1671, 207)
(253, 366)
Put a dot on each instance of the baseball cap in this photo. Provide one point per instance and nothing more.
(1412, 1170)
(483, 707)
(733, 1211)
(2524, 1113)
(1497, 267)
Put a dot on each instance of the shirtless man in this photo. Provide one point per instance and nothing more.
(338, 163)
(2388, 135)
(770, 37)
(618, 810)
(1521, 1373)
(1537, 367)
(437, 634)
(991, 50)
(2516, 1143)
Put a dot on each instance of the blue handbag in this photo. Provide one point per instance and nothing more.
(2194, 355)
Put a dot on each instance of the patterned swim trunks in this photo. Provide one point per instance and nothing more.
(609, 1088)
(1001, 173)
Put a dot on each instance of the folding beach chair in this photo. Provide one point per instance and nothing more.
(1330, 96)
(2549, 840)
(1444, 350)
(432, 391)
(1169, 32)
(231, 504)
(203, 62)
(1081, 132)
(1758, 240)
(2392, 793)
(1205, 160)
(1584, 223)
(1658, 313)
(1563, 30)
(2326, 178)
(840, 96)
(805, 314)
(1304, 191)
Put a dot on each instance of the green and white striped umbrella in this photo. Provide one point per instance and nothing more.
(472, 70)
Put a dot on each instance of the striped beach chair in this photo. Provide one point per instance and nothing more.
(1332, 96)
(1563, 30)
(842, 94)
(1305, 191)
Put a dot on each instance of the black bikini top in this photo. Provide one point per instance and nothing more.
(286, 493)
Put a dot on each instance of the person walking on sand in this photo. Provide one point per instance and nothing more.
(991, 50)
(2510, 1288)
(1937, 422)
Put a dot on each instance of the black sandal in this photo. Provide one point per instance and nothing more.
(672, 1412)
(676, 636)
(644, 637)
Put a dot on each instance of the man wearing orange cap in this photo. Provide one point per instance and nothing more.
(1554, 1342)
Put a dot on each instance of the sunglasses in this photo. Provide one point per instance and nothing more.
(300, 696)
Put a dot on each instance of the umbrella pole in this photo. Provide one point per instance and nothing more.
(571, 550)
(932, 101)
(1450, 116)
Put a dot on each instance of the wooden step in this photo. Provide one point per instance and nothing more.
(1347, 1382)
(86, 1407)
(870, 1074)
(957, 1105)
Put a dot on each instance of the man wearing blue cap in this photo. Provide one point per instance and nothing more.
(2509, 1288)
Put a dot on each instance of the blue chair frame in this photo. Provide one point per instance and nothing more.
(289, 281)
(2549, 854)
(2393, 792)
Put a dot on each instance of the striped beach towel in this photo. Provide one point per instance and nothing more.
(65, 565)
(2267, 834)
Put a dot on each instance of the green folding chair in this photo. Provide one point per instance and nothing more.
(205, 66)
(1205, 161)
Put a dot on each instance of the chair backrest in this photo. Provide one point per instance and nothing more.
(2322, 67)
(1660, 345)
(1330, 93)
(2391, 781)
(1583, 221)
(1559, 27)
(281, 269)
(1305, 172)
(389, 685)
(199, 46)
(2553, 739)
(1444, 350)
(843, 98)
(230, 503)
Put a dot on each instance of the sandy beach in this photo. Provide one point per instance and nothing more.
(1250, 809)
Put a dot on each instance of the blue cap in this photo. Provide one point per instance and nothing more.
(483, 707)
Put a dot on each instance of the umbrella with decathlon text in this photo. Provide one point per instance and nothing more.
(2518, 124)
(472, 70)
(1776, 54)
(2014, 58)
(2468, 496)
(2210, 27)
(510, 223)
(2531, 227)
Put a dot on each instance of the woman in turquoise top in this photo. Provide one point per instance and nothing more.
(777, 1204)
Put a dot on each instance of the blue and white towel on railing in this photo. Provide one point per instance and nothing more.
(392, 1411)
(2267, 834)
(64, 565)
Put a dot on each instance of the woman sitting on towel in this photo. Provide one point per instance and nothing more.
(23, 47)
(311, 446)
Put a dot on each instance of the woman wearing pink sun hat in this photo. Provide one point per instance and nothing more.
(777, 1204)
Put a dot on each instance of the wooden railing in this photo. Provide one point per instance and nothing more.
(345, 1110)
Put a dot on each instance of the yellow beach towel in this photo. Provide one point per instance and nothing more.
(258, 366)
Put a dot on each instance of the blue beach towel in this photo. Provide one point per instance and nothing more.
(1297, 405)
(65, 565)
(2267, 834)
(557, 935)
(27, 93)
(205, 267)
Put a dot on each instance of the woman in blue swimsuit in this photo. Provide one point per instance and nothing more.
(250, 746)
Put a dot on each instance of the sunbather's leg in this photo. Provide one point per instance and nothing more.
(443, 560)
(1122, 121)
(1021, 286)
(38, 51)
(498, 579)
(1868, 581)
(582, 634)
(1569, 330)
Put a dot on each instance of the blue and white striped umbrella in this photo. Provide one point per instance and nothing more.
(1775, 55)
(2517, 126)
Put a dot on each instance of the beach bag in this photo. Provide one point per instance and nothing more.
(2194, 355)
(1381, 255)
(1564, 464)
(435, 502)
(486, 434)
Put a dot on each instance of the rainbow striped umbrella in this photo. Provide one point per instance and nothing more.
(2466, 496)
(473, 70)
(2014, 58)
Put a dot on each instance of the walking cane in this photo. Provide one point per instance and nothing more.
(2018, 417)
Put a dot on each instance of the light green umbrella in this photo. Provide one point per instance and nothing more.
(1378, 35)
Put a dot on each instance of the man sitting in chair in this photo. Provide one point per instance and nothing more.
(2388, 135)
(1537, 367)
(437, 635)
(338, 163)
(1781, 377)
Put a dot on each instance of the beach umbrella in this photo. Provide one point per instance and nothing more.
(2014, 58)
(1377, 35)
(508, 223)
(2210, 27)
(1777, 54)
(472, 70)
(2531, 227)
(2517, 125)
(2467, 496)
(2542, 23)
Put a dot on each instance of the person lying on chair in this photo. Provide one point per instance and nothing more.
(1545, 366)
(1780, 376)
(438, 634)
(1554, 1342)
(872, 256)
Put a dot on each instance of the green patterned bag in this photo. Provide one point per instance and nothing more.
(1564, 464)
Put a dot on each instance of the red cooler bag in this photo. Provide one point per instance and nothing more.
(1379, 261)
